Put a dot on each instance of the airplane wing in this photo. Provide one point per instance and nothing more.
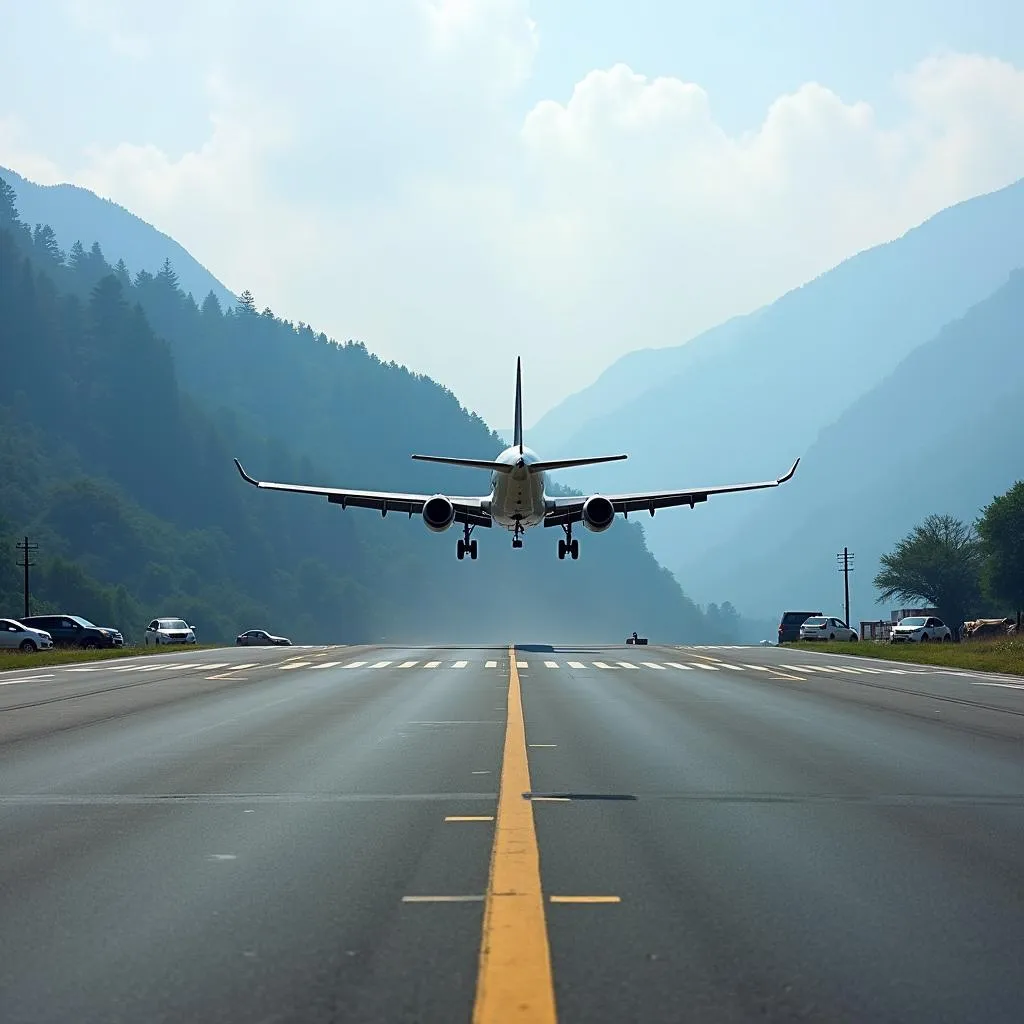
(466, 509)
(570, 510)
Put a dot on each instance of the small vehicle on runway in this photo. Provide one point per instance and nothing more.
(16, 636)
(634, 639)
(261, 638)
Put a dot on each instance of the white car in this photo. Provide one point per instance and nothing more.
(169, 631)
(920, 629)
(822, 627)
(16, 636)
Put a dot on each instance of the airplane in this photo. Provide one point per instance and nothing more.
(517, 500)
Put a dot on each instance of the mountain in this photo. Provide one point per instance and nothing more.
(123, 403)
(943, 433)
(740, 402)
(78, 215)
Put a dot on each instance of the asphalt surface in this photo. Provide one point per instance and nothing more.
(724, 834)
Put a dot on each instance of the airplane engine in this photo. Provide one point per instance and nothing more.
(598, 513)
(438, 513)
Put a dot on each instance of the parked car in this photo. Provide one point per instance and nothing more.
(261, 638)
(920, 629)
(74, 631)
(16, 636)
(634, 639)
(169, 631)
(789, 627)
(822, 627)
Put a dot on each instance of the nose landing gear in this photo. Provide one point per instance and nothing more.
(465, 545)
(517, 535)
(568, 546)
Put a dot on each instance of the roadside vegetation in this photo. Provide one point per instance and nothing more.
(999, 654)
(18, 661)
(966, 571)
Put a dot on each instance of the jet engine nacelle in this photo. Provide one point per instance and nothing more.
(438, 513)
(598, 513)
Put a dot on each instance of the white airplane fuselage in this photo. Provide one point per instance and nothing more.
(517, 497)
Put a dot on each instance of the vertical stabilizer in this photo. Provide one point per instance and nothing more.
(517, 437)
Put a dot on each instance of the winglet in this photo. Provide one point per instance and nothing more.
(517, 436)
(245, 476)
(788, 476)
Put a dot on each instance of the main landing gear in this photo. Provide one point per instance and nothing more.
(465, 545)
(568, 546)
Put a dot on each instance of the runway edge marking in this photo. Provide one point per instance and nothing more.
(514, 982)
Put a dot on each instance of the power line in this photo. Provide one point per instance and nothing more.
(26, 549)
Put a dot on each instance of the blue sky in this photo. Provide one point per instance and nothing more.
(455, 182)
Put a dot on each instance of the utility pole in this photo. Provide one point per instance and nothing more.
(846, 567)
(26, 549)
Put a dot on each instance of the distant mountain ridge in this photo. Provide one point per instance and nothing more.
(943, 433)
(741, 401)
(76, 214)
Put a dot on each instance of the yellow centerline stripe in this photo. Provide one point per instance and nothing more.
(514, 982)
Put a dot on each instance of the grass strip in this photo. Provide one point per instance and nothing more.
(1001, 654)
(18, 661)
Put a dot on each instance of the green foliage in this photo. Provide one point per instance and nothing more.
(1002, 655)
(939, 562)
(1001, 528)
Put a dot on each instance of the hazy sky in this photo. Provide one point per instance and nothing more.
(457, 182)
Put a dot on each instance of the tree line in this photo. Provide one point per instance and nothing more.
(966, 570)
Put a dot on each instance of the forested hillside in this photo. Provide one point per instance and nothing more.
(74, 213)
(121, 406)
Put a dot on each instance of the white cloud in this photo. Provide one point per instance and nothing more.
(17, 153)
(365, 169)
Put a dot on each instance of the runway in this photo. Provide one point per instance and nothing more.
(570, 833)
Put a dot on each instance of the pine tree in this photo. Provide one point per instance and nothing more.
(247, 303)
(166, 275)
(46, 245)
(211, 307)
(8, 209)
(77, 256)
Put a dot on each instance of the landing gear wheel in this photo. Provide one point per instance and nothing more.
(465, 545)
(517, 542)
(568, 546)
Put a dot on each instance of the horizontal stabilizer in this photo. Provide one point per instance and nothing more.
(544, 467)
(494, 467)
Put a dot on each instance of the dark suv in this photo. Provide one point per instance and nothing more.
(789, 627)
(74, 631)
